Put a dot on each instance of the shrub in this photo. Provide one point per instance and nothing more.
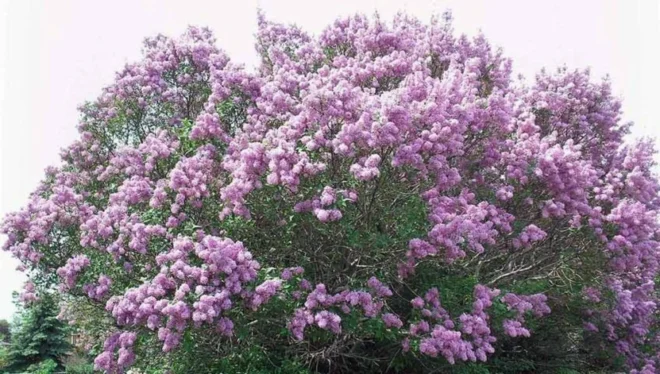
(4, 357)
(381, 197)
(39, 337)
(82, 368)
(43, 367)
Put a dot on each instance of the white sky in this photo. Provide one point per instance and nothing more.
(55, 55)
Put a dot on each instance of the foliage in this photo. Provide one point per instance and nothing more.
(44, 367)
(382, 197)
(4, 358)
(5, 333)
(79, 361)
(40, 340)
(81, 368)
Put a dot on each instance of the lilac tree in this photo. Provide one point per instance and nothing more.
(381, 196)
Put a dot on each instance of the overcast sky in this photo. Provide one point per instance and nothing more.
(55, 55)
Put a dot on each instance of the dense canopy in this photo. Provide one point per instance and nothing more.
(384, 196)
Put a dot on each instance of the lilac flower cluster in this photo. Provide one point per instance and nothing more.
(30, 228)
(457, 223)
(28, 294)
(116, 231)
(289, 273)
(368, 169)
(190, 180)
(319, 305)
(529, 235)
(520, 305)
(439, 334)
(140, 160)
(227, 268)
(319, 205)
(110, 362)
(70, 271)
(263, 292)
(100, 290)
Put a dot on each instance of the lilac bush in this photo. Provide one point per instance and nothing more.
(385, 185)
